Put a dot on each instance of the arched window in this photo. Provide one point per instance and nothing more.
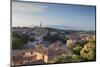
(31, 52)
(23, 53)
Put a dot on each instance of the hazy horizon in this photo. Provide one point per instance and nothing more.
(32, 14)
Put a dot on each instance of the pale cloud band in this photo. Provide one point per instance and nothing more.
(27, 7)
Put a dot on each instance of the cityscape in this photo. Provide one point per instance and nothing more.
(44, 33)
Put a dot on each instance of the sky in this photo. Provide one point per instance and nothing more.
(32, 14)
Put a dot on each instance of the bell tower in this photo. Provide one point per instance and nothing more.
(40, 24)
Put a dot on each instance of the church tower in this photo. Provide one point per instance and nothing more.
(40, 25)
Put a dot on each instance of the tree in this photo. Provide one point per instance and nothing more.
(61, 59)
(17, 43)
(82, 43)
(77, 49)
(91, 44)
(77, 58)
(88, 54)
(31, 39)
(53, 38)
(23, 37)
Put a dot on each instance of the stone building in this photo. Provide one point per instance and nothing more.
(29, 56)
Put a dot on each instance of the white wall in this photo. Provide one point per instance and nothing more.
(5, 33)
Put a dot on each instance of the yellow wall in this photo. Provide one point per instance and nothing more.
(42, 56)
(45, 58)
(39, 56)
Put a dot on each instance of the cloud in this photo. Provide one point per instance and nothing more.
(25, 7)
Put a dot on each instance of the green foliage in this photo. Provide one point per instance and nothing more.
(53, 38)
(91, 45)
(82, 43)
(77, 49)
(18, 40)
(31, 39)
(17, 43)
(77, 58)
(88, 54)
(61, 59)
(23, 37)
(64, 58)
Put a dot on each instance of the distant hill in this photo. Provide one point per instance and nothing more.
(63, 27)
